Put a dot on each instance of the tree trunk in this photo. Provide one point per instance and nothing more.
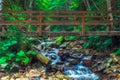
(109, 8)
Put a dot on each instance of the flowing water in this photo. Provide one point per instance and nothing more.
(75, 72)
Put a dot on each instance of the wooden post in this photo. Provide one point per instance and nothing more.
(40, 24)
(3, 21)
(75, 24)
(83, 25)
(30, 21)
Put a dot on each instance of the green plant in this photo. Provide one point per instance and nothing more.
(98, 42)
(117, 52)
(71, 37)
(59, 40)
(16, 47)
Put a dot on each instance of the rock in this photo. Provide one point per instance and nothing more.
(5, 78)
(50, 78)
(80, 47)
(63, 45)
(62, 76)
(38, 47)
(114, 58)
(12, 79)
(17, 75)
(72, 61)
(63, 55)
(87, 61)
(87, 51)
(15, 67)
(87, 58)
(3, 66)
(75, 49)
(22, 79)
(56, 79)
(33, 73)
(51, 68)
(81, 42)
(118, 70)
(43, 79)
(73, 44)
(76, 55)
(2, 74)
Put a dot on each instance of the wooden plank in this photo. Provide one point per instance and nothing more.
(62, 33)
(65, 12)
(40, 24)
(103, 33)
(90, 33)
(83, 24)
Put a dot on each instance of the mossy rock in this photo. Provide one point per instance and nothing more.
(62, 76)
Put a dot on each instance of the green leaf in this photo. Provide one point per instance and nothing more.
(59, 40)
(8, 43)
(26, 60)
(21, 53)
(117, 53)
(21, 18)
(18, 58)
(31, 52)
(107, 42)
(3, 60)
(10, 55)
(71, 37)
(86, 45)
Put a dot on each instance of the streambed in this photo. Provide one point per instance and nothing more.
(70, 62)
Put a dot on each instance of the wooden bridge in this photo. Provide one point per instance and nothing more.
(44, 19)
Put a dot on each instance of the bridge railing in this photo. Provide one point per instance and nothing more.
(49, 18)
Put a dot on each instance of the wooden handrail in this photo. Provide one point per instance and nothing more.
(45, 18)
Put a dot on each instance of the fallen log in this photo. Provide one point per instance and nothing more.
(42, 58)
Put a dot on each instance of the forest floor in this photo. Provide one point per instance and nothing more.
(104, 64)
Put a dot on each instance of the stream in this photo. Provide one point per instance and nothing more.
(72, 64)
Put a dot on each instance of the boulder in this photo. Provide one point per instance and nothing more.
(72, 61)
(76, 55)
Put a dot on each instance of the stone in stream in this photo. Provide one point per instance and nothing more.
(87, 61)
(64, 54)
(76, 55)
(81, 42)
(38, 47)
(72, 61)
(51, 68)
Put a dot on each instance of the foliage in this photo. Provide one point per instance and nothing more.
(16, 47)
(56, 4)
(117, 53)
(12, 5)
(98, 42)
(59, 40)
(71, 37)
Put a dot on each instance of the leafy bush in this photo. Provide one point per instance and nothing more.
(16, 47)
(98, 42)
(117, 53)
